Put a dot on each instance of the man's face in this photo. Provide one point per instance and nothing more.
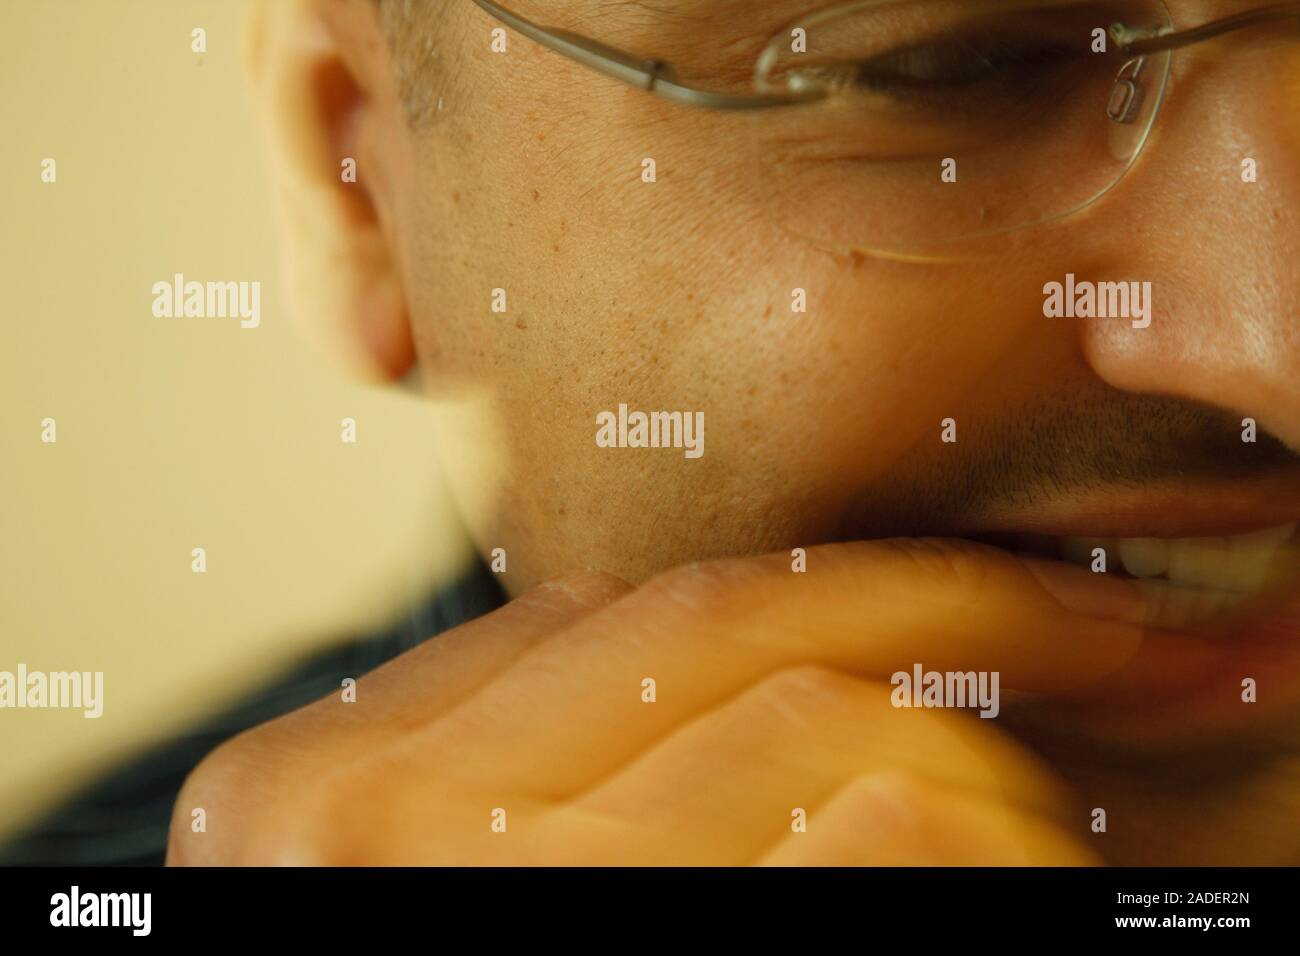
(677, 295)
(525, 229)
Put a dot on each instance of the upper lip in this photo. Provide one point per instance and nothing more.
(1168, 509)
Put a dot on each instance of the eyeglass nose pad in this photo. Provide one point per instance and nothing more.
(1128, 93)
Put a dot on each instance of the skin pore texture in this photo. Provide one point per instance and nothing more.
(522, 171)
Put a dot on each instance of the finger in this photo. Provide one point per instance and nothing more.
(575, 708)
(276, 760)
(724, 786)
(894, 819)
(435, 676)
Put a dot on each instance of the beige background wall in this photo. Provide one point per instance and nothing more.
(172, 434)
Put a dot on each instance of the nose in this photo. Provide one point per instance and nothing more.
(1213, 214)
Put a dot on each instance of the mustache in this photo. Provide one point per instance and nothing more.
(1136, 438)
(1085, 439)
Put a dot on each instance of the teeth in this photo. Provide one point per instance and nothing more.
(1254, 557)
(1191, 579)
(1145, 557)
(1199, 562)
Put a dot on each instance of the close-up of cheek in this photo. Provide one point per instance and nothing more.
(677, 282)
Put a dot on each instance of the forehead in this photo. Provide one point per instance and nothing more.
(683, 24)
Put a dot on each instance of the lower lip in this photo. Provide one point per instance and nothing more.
(1184, 688)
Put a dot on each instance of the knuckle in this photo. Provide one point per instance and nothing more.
(367, 813)
(905, 801)
(242, 787)
(953, 561)
(895, 786)
(802, 705)
(302, 830)
(696, 585)
(587, 588)
(212, 788)
(805, 685)
(218, 776)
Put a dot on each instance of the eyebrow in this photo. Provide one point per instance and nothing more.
(652, 13)
(655, 27)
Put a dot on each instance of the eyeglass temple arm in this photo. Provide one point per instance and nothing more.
(653, 76)
(1136, 42)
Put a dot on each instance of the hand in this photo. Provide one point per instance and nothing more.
(772, 695)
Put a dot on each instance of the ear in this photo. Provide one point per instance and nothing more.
(327, 94)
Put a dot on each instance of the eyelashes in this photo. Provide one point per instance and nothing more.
(959, 65)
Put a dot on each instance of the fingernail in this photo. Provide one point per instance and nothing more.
(1090, 593)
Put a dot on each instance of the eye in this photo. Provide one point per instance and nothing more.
(959, 64)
